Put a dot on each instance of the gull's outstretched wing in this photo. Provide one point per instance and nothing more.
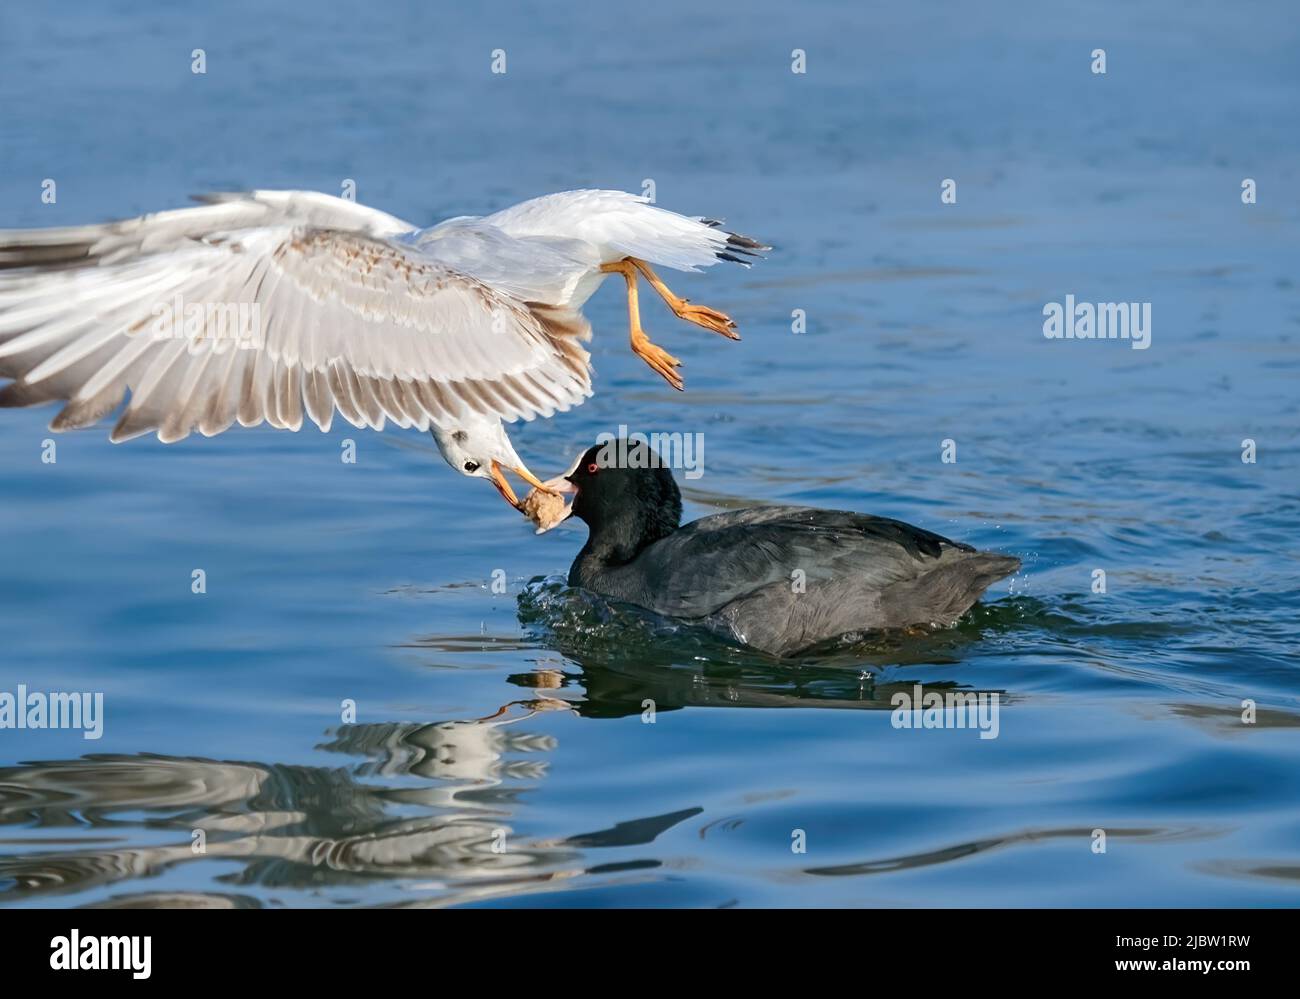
(620, 225)
(265, 306)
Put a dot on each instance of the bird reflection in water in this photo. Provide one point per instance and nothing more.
(296, 826)
(433, 805)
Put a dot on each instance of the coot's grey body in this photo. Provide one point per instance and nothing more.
(785, 578)
(781, 578)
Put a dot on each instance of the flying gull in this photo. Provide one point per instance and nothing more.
(279, 305)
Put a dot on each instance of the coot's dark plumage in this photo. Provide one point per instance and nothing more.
(737, 573)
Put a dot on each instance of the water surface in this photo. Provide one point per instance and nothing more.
(500, 753)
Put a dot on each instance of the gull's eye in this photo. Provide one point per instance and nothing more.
(593, 468)
(471, 466)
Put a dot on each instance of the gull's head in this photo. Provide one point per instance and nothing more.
(479, 448)
(471, 446)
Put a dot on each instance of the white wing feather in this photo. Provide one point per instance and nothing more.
(348, 317)
(622, 225)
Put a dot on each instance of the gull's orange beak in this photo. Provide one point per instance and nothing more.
(503, 486)
(532, 479)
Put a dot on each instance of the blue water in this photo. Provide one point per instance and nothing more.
(499, 754)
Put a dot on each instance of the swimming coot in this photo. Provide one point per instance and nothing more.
(779, 578)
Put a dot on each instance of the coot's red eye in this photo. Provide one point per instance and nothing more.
(593, 468)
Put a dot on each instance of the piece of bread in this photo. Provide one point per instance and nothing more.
(544, 509)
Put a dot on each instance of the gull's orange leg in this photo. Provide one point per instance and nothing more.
(659, 359)
(700, 315)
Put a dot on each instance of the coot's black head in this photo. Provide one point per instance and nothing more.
(626, 496)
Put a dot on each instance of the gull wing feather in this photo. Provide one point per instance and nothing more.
(622, 225)
(306, 304)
